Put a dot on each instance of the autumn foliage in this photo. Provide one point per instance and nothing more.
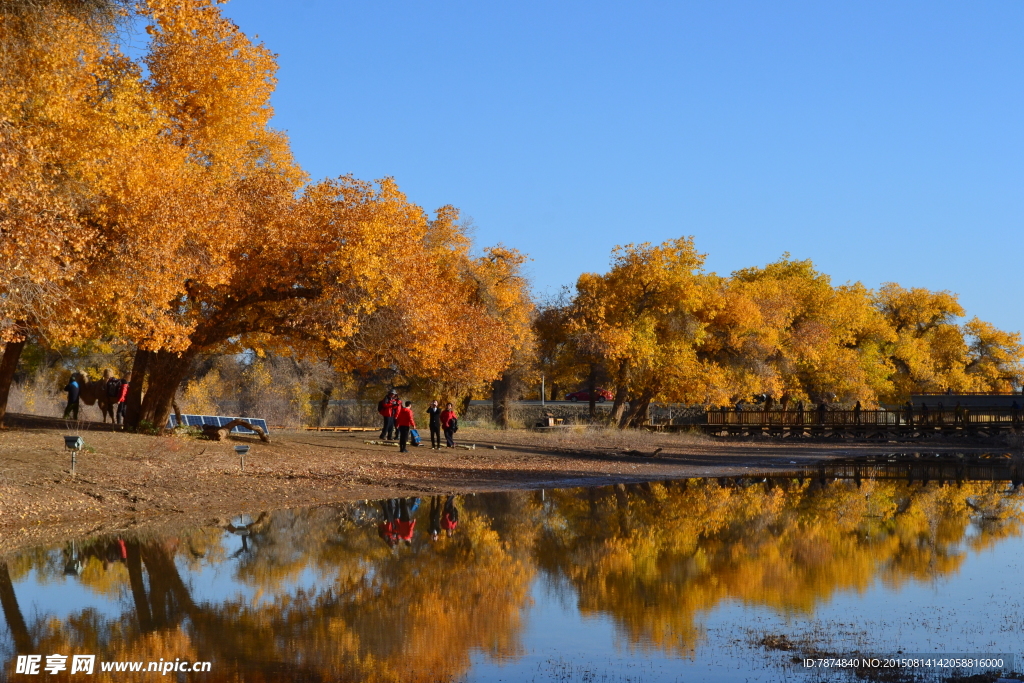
(148, 202)
(656, 326)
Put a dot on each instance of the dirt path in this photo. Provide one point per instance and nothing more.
(131, 481)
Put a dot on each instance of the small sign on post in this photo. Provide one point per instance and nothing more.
(73, 444)
(241, 450)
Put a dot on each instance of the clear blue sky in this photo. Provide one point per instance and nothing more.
(882, 140)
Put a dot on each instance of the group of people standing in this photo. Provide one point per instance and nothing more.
(400, 422)
(399, 525)
(110, 392)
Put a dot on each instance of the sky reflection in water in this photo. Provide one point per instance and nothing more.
(651, 582)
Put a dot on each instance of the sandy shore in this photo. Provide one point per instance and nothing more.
(125, 481)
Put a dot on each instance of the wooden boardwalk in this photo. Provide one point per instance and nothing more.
(881, 425)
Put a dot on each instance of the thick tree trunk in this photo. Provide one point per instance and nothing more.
(8, 365)
(642, 414)
(325, 404)
(12, 613)
(554, 391)
(619, 407)
(500, 409)
(621, 393)
(133, 409)
(637, 413)
(166, 372)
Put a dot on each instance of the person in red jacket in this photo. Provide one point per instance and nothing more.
(388, 409)
(449, 421)
(405, 422)
(405, 525)
(122, 398)
(450, 519)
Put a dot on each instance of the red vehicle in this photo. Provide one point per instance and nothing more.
(601, 395)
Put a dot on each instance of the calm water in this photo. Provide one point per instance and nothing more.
(703, 580)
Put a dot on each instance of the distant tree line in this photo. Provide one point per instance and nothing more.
(657, 327)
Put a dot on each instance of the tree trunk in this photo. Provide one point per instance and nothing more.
(168, 595)
(500, 390)
(592, 390)
(166, 372)
(12, 613)
(619, 407)
(133, 407)
(215, 433)
(637, 413)
(325, 404)
(8, 365)
(138, 585)
(621, 392)
(642, 415)
(554, 391)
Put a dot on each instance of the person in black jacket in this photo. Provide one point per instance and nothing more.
(434, 413)
(435, 517)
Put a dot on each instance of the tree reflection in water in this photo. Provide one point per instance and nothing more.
(652, 557)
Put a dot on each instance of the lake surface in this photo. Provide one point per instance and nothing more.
(697, 580)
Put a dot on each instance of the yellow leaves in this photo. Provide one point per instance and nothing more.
(175, 220)
(917, 309)
(52, 125)
(994, 356)
(640, 314)
(930, 352)
(216, 85)
(202, 396)
(660, 327)
(447, 321)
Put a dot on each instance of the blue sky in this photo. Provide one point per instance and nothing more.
(882, 140)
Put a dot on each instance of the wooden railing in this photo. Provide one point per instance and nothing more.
(969, 393)
(864, 418)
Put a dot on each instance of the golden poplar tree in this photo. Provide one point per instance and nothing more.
(62, 124)
(931, 352)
